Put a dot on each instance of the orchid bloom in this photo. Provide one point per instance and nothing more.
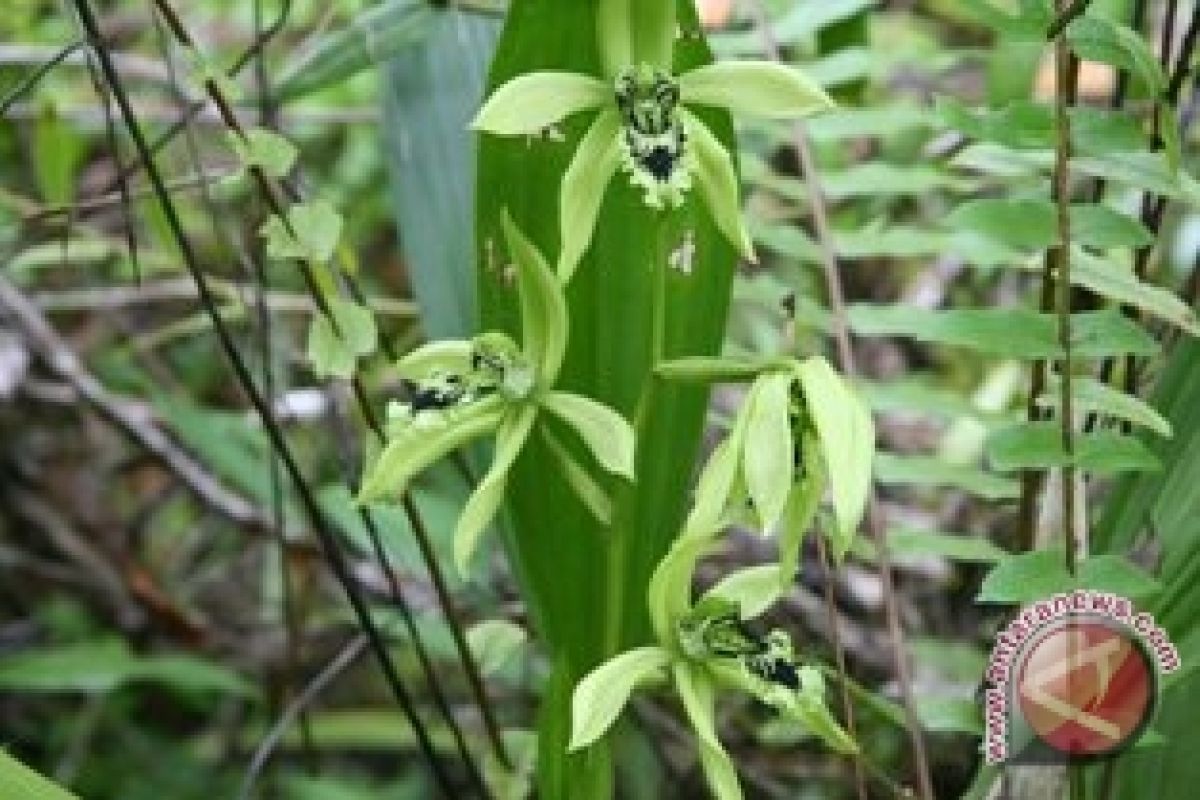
(645, 124)
(463, 390)
(801, 431)
(703, 648)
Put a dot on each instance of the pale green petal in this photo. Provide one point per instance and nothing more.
(754, 589)
(488, 496)
(583, 188)
(603, 692)
(758, 88)
(543, 306)
(718, 184)
(532, 102)
(606, 433)
(449, 355)
(801, 509)
(654, 27)
(696, 692)
(669, 595)
(408, 454)
(589, 492)
(613, 36)
(767, 456)
(847, 436)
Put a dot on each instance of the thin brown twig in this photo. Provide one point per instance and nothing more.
(847, 363)
(63, 362)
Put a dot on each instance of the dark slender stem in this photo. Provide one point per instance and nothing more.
(36, 76)
(1065, 16)
(835, 636)
(320, 525)
(1066, 69)
(276, 196)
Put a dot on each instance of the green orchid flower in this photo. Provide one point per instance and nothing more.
(704, 648)
(461, 391)
(645, 123)
(801, 432)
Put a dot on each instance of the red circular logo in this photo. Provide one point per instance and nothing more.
(1086, 686)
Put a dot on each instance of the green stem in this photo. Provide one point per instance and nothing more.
(618, 559)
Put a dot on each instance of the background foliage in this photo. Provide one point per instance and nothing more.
(155, 623)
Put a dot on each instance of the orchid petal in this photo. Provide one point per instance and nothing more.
(583, 187)
(718, 183)
(757, 88)
(530, 103)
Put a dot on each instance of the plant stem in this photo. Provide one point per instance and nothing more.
(846, 361)
(1064, 91)
(325, 535)
(275, 198)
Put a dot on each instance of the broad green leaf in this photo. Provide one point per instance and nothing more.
(407, 455)
(711, 370)
(107, 664)
(449, 355)
(754, 589)
(1017, 223)
(1037, 575)
(847, 438)
(335, 353)
(269, 151)
(897, 470)
(878, 179)
(488, 496)
(430, 90)
(589, 492)
(697, 694)
(1092, 396)
(1120, 283)
(799, 23)
(1027, 125)
(376, 34)
(718, 184)
(605, 432)
(603, 693)
(1096, 225)
(494, 643)
(950, 715)
(904, 543)
(768, 453)
(1038, 445)
(1012, 333)
(316, 227)
(1096, 38)
(543, 308)
(532, 102)
(19, 782)
(1146, 170)
(583, 187)
(757, 88)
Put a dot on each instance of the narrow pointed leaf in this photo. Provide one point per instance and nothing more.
(1092, 396)
(718, 184)
(532, 102)
(407, 455)
(583, 187)
(697, 694)
(756, 88)
(589, 492)
(543, 308)
(603, 692)
(485, 501)
(605, 432)
(768, 452)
